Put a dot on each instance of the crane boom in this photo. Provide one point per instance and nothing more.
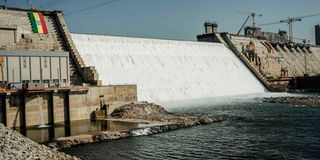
(245, 22)
(290, 22)
(251, 14)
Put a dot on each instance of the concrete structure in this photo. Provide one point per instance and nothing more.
(52, 106)
(256, 32)
(211, 27)
(167, 70)
(46, 78)
(19, 68)
(317, 34)
(274, 61)
(17, 35)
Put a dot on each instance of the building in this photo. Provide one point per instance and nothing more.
(34, 69)
(32, 50)
(43, 78)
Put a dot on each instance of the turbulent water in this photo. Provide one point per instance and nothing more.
(251, 130)
(166, 70)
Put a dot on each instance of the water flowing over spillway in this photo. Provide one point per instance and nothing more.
(167, 70)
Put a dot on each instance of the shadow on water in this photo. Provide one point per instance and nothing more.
(49, 133)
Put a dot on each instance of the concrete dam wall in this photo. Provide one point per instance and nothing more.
(167, 70)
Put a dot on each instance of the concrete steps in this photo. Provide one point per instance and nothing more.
(78, 70)
(261, 73)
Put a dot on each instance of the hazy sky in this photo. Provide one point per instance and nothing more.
(176, 19)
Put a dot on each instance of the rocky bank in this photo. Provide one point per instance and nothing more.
(13, 146)
(309, 101)
(156, 118)
(156, 113)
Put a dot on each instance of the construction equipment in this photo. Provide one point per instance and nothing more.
(252, 15)
(290, 22)
(243, 25)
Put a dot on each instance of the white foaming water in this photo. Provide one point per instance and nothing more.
(141, 131)
(167, 70)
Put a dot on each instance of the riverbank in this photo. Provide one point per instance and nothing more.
(153, 119)
(13, 145)
(310, 101)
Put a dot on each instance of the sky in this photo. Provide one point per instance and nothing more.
(176, 19)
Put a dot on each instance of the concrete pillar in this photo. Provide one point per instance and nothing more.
(3, 112)
(22, 114)
(67, 130)
(50, 109)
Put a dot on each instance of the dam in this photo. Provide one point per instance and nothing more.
(52, 76)
(167, 70)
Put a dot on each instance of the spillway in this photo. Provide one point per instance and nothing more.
(167, 70)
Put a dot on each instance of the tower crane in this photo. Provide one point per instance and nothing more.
(253, 15)
(290, 22)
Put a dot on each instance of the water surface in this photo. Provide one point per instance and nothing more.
(251, 130)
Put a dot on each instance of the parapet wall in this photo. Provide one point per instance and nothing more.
(49, 107)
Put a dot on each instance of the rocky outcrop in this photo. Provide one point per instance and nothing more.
(156, 118)
(310, 101)
(153, 112)
(139, 110)
(13, 145)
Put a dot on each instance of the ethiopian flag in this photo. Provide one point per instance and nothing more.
(38, 23)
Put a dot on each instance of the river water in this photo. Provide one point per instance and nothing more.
(251, 129)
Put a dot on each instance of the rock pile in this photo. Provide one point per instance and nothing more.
(65, 142)
(310, 101)
(153, 112)
(13, 145)
(139, 110)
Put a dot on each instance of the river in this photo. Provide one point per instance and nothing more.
(251, 129)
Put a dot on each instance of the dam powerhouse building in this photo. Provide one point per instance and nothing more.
(49, 76)
(43, 79)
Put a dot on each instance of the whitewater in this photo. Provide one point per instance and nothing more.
(167, 70)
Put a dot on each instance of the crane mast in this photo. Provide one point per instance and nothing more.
(253, 15)
(290, 22)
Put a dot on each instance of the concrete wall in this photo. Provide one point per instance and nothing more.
(53, 107)
(97, 97)
(17, 34)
